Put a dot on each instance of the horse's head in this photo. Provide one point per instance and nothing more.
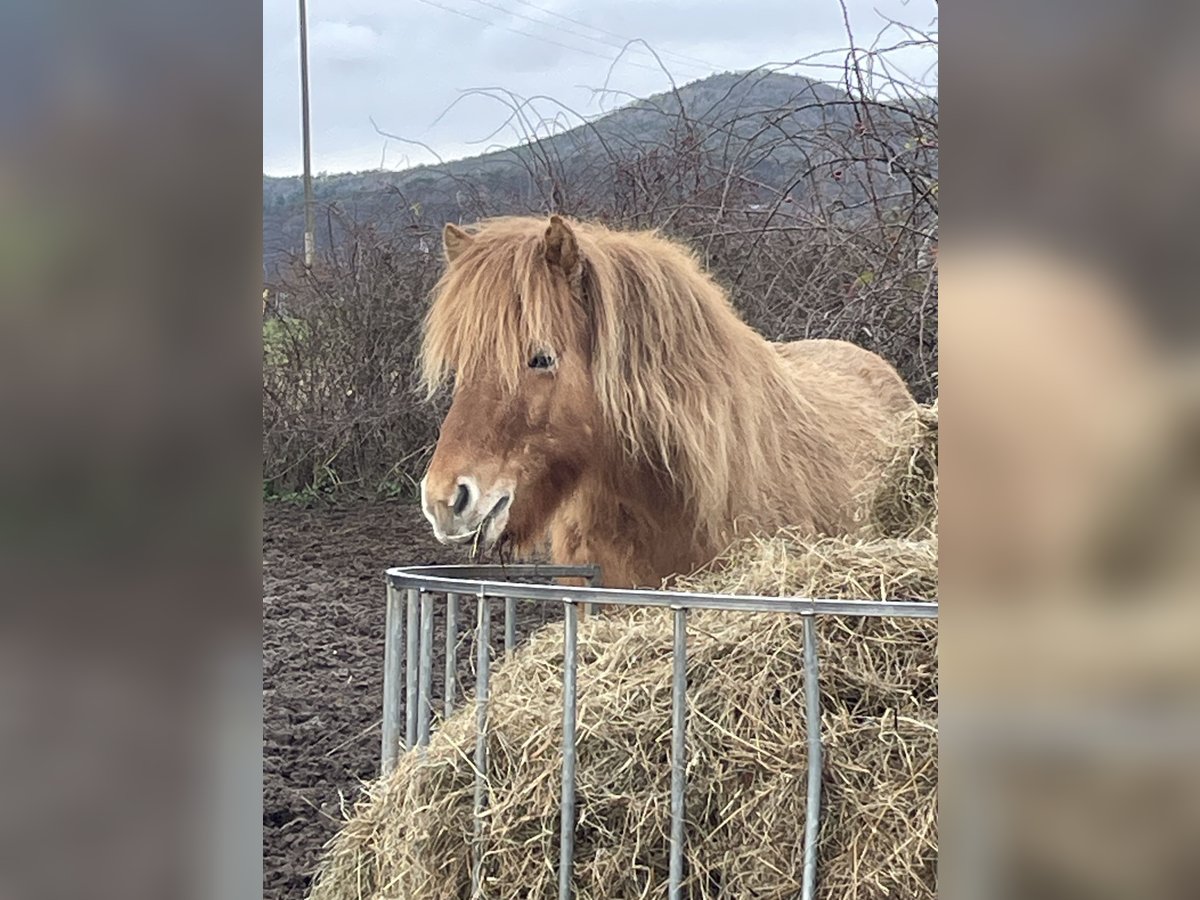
(508, 324)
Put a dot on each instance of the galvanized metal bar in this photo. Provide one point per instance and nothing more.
(483, 636)
(510, 625)
(410, 665)
(812, 725)
(425, 674)
(566, 846)
(470, 579)
(507, 572)
(450, 681)
(678, 752)
(393, 649)
(592, 580)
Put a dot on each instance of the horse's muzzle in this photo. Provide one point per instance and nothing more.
(469, 516)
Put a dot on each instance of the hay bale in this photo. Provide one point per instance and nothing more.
(905, 505)
(410, 836)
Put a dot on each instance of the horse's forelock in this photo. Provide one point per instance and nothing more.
(495, 306)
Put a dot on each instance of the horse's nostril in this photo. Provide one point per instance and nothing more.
(461, 499)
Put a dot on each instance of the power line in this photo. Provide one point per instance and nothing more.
(623, 45)
(622, 38)
(535, 37)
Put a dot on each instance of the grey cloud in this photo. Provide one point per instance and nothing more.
(513, 58)
(344, 42)
(707, 21)
(404, 64)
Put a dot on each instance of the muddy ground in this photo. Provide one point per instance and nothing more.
(323, 620)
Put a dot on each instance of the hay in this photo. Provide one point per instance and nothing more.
(906, 505)
(410, 836)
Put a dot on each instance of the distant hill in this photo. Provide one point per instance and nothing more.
(768, 132)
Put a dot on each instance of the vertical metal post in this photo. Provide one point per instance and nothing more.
(410, 666)
(566, 847)
(309, 231)
(510, 625)
(393, 647)
(483, 654)
(425, 675)
(678, 751)
(592, 581)
(812, 725)
(451, 676)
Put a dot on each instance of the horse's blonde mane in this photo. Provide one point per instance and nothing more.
(495, 305)
(686, 385)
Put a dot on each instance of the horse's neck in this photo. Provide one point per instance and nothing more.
(628, 522)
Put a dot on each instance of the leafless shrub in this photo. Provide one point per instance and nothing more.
(340, 406)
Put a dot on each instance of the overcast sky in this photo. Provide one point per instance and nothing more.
(404, 62)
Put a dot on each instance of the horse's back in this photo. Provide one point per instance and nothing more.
(861, 404)
(851, 370)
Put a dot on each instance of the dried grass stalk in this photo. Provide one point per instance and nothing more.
(906, 504)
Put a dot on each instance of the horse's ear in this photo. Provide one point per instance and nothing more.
(454, 241)
(562, 250)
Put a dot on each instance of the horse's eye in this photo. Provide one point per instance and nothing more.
(541, 361)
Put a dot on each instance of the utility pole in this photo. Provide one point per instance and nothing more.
(308, 195)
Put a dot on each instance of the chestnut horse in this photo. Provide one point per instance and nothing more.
(609, 402)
